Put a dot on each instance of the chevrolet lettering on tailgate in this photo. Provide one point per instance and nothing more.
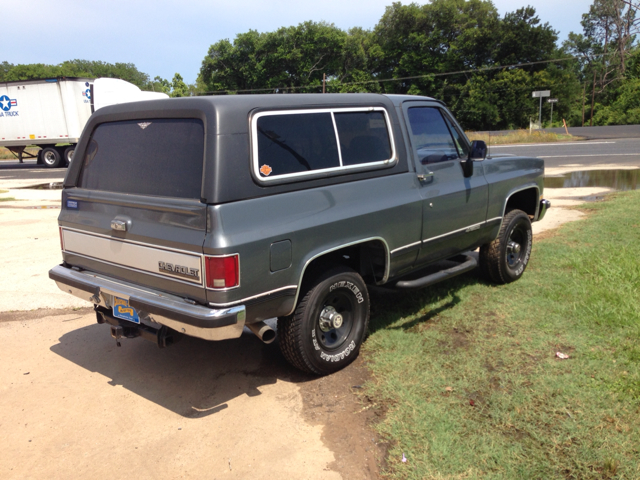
(179, 270)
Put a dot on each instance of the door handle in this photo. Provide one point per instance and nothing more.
(425, 176)
(119, 225)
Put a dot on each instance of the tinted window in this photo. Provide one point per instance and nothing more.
(148, 157)
(363, 137)
(458, 139)
(296, 143)
(430, 135)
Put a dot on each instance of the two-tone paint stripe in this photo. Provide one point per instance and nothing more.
(467, 229)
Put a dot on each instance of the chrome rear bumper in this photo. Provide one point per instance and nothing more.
(153, 306)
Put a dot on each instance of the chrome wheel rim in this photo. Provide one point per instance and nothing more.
(49, 158)
(335, 319)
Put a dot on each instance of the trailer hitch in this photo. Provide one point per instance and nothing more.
(163, 336)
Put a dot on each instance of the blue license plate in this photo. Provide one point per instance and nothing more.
(122, 310)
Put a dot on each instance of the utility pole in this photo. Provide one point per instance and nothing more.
(552, 101)
(540, 112)
(584, 93)
(593, 97)
(324, 81)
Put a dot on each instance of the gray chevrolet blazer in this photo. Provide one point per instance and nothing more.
(205, 215)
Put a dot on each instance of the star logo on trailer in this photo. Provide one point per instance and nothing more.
(6, 103)
(87, 92)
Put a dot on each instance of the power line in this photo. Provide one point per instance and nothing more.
(430, 75)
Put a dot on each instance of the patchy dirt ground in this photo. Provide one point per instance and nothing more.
(74, 405)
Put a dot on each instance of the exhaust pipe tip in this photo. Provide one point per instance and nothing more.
(263, 331)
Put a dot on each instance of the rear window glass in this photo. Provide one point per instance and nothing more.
(296, 143)
(363, 137)
(328, 141)
(161, 157)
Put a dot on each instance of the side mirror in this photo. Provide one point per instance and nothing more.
(478, 150)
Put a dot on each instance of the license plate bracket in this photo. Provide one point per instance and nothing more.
(123, 311)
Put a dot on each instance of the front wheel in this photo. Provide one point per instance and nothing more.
(505, 259)
(325, 332)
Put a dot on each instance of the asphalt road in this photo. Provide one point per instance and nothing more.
(593, 152)
(29, 170)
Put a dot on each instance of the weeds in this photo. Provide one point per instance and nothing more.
(521, 136)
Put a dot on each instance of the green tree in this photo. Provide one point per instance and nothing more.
(179, 87)
(159, 84)
(77, 68)
(5, 67)
(32, 71)
(604, 50)
(288, 59)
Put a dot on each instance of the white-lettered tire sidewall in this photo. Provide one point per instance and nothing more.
(327, 361)
(511, 274)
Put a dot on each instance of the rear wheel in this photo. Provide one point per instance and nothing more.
(505, 259)
(51, 157)
(329, 324)
(67, 156)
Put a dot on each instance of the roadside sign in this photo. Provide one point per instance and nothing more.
(552, 100)
(541, 93)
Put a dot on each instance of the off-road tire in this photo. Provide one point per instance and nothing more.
(499, 263)
(303, 341)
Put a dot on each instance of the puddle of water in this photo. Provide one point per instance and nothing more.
(44, 186)
(616, 179)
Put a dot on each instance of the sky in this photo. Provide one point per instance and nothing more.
(162, 37)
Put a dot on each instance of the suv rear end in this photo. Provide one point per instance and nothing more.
(133, 222)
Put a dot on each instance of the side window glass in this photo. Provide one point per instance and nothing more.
(363, 137)
(431, 138)
(458, 139)
(296, 143)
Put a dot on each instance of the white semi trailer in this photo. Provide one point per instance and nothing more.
(51, 113)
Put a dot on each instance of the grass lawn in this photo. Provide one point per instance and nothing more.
(5, 154)
(522, 136)
(468, 371)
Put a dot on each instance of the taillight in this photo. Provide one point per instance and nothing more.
(61, 239)
(222, 272)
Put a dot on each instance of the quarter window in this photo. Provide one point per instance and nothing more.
(313, 142)
(363, 137)
(461, 145)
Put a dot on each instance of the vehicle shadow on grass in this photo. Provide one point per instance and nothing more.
(193, 378)
(387, 307)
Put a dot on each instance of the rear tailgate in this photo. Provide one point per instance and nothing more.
(135, 212)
